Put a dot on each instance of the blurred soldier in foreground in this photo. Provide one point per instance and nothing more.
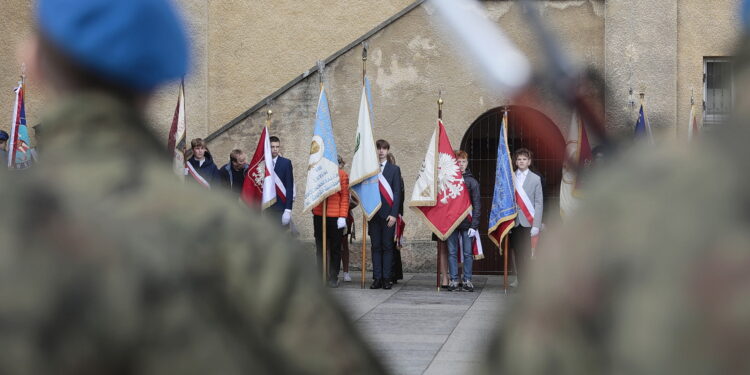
(108, 265)
(653, 275)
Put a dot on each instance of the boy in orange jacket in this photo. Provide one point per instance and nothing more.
(336, 213)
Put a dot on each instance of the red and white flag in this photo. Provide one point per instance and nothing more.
(440, 196)
(259, 188)
(176, 141)
(476, 247)
(578, 158)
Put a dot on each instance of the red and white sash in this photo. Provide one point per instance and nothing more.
(524, 203)
(197, 176)
(527, 208)
(385, 189)
(387, 193)
(280, 189)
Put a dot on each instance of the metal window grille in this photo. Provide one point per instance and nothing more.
(718, 90)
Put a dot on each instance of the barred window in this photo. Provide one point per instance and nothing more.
(718, 90)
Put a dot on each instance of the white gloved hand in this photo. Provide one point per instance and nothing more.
(186, 171)
(534, 231)
(341, 223)
(472, 232)
(286, 217)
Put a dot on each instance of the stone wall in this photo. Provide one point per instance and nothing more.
(705, 29)
(409, 62)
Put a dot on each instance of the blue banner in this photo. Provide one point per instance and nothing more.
(323, 165)
(503, 212)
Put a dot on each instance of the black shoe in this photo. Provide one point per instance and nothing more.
(468, 286)
(333, 283)
(377, 284)
(387, 285)
(452, 286)
(395, 281)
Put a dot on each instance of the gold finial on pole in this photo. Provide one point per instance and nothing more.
(23, 73)
(642, 93)
(321, 67)
(269, 113)
(440, 104)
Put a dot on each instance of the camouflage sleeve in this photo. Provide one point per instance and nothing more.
(303, 328)
(623, 288)
(549, 328)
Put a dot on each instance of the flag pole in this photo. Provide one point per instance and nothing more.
(645, 117)
(269, 113)
(364, 215)
(184, 116)
(364, 248)
(440, 242)
(325, 252)
(505, 264)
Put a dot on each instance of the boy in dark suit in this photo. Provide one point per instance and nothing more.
(382, 227)
(282, 209)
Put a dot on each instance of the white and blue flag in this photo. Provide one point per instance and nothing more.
(365, 166)
(323, 166)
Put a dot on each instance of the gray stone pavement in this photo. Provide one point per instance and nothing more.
(417, 330)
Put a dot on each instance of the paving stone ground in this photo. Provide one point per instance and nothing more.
(417, 330)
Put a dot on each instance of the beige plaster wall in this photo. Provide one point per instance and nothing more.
(15, 27)
(255, 47)
(242, 51)
(161, 111)
(705, 29)
(641, 52)
(409, 62)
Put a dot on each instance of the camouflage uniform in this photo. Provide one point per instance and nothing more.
(652, 276)
(109, 265)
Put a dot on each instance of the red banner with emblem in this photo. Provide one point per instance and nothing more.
(451, 202)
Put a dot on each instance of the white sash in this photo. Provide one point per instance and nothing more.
(524, 203)
(387, 187)
(197, 176)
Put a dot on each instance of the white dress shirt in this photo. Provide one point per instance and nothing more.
(521, 176)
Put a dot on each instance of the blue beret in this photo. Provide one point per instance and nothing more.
(3, 135)
(139, 44)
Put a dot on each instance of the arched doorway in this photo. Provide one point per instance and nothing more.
(527, 128)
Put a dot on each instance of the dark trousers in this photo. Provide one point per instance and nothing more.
(274, 215)
(333, 242)
(520, 243)
(381, 238)
(398, 269)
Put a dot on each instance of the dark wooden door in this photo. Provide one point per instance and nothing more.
(527, 128)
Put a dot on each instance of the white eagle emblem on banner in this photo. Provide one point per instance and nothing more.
(450, 178)
(259, 174)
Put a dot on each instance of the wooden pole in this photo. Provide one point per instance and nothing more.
(364, 215)
(505, 263)
(439, 242)
(439, 248)
(364, 248)
(325, 250)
